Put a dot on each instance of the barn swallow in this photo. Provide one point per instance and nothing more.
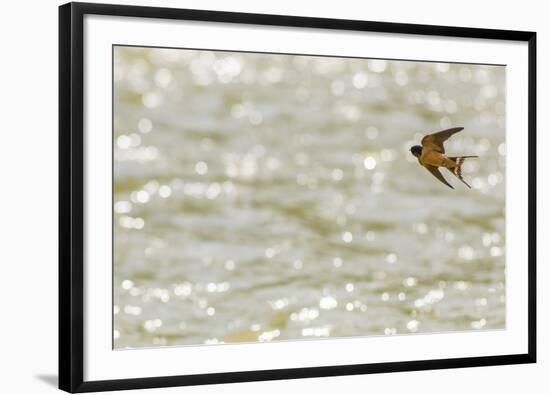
(431, 155)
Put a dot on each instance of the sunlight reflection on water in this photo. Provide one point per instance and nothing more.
(264, 197)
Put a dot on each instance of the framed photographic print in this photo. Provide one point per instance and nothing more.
(253, 197)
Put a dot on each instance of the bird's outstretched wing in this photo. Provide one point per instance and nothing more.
(435, 171)
(435, 141)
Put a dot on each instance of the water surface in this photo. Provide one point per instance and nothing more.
(268, 197)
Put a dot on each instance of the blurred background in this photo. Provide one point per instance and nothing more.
(264, 197)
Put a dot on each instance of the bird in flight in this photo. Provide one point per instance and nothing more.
(431, 155)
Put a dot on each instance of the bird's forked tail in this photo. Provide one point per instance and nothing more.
(457, 170)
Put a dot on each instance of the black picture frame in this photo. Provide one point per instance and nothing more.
(72, 226)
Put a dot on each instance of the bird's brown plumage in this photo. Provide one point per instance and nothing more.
(433, 156)
(435, 171)
(435, 141)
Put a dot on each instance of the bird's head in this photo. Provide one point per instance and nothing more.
(416, 150)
